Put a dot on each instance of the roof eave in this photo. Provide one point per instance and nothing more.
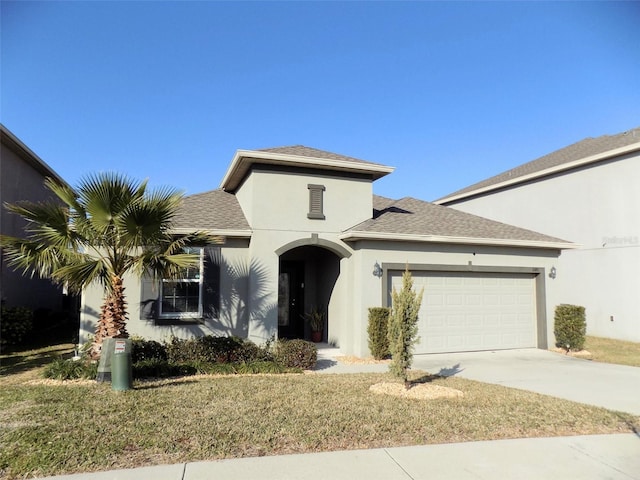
(543, 173)
(405, 237)
(243, 159)
(17, 146)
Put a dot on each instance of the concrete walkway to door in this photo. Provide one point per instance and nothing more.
(616, 387)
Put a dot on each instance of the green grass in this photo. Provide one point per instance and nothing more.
(51, 428)
(613, 351)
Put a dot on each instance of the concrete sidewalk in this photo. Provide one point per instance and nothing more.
(584, 457)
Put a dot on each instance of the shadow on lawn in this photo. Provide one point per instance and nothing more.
(443, 373)
(18, 362)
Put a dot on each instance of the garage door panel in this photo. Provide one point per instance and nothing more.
(473, 311)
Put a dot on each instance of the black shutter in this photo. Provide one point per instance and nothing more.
(211, 283)
(315, 202)
(149, 298)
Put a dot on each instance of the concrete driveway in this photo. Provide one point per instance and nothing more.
(616, 387)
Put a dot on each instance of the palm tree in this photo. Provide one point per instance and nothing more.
(109, 226)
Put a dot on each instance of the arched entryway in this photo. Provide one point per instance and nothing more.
(306, 280)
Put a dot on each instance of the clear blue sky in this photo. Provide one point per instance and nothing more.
(448, 93)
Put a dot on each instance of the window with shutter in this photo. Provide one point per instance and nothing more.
(315, 202)
(190, 299)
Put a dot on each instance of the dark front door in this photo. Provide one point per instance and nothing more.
(291, 300)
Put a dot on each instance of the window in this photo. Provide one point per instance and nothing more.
(182, 297)
(315, 202)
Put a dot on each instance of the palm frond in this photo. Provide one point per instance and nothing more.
(32, 257)
(80, 274)
(66, 194)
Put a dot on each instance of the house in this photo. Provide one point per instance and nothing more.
(587, 193)
(303, 229)
(22, 175)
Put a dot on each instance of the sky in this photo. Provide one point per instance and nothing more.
(448, 93)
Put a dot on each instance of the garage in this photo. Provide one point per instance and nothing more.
(466, 311)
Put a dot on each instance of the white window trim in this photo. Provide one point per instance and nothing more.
(199, 280)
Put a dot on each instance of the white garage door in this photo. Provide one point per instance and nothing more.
(464, 312)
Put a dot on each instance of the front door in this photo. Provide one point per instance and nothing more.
(291, 300)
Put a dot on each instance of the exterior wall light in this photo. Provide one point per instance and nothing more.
(377, 270)
(553, 272)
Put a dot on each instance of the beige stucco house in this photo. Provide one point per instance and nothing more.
(587, 193)
(303, 229)
(22, 175)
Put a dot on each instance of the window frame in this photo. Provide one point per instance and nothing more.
(200, 281)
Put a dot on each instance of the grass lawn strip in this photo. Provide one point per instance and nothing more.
(613, 351)
(46, 430)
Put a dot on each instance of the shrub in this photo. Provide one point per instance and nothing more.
(378, 332)
(296, 354)
(570, 327)
(16, 325)
(403, 327)
(147, 350)
(61, 369)
(214, 350)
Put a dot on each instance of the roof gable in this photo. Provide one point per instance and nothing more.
(297, 156)
(589, 150)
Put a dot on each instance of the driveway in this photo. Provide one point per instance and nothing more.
(616, 387)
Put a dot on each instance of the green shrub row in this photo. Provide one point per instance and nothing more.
(209, 355)
(570, 327)
(378, 332)
(214, 350)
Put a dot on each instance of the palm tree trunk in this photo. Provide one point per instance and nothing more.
(113, 317)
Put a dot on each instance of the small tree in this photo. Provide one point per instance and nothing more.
(403, 327)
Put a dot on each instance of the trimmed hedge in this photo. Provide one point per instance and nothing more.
(142, 350)
(378, 329)
(296, 354)
(214, 350)
(570, 327)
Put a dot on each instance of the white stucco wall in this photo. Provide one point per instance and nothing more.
(279, 201)
(599, 208)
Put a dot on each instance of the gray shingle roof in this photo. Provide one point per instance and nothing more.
(302, 151)
(213, 210)
(409, 216)
(577, 151)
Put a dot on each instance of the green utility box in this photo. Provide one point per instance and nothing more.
(121, 371)
(104, 366)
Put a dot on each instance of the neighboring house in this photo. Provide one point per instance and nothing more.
(303, 229)
(22, 175)
(588, 193)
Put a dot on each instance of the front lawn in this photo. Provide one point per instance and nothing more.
(48, 428)
(613, 351)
